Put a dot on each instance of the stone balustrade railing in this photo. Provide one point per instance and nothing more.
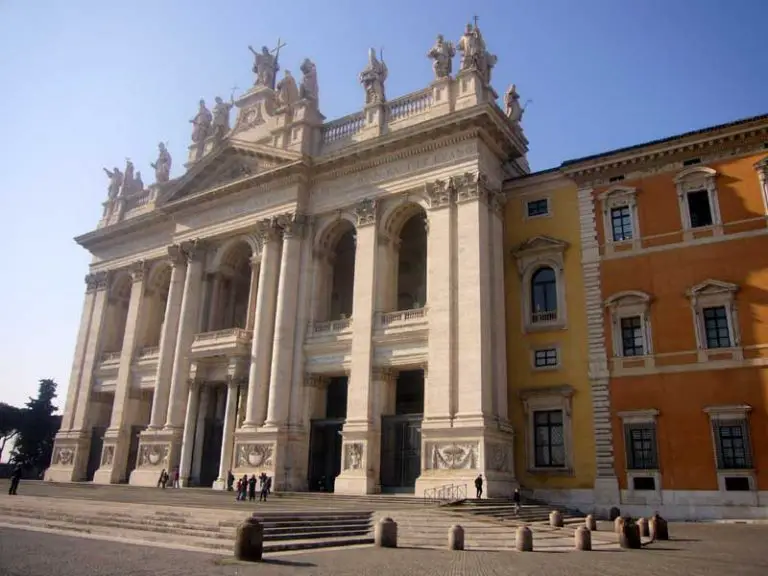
(544, 316)
(343, 127)
(387, 319)
(329, 327)
(149, 352)
(111, 356)
(409, 105)
(226, 334)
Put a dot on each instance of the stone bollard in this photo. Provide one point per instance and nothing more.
(613, 513)
(657, 528)
(456, 538)
(249, 541)
(618, 524)
(590, 523)
(524, 539)
(555, 519)
(582, 538)
(385, 534)
(629, 537)
(642, 526)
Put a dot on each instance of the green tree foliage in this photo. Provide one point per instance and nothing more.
(10, 419)
(37, 428)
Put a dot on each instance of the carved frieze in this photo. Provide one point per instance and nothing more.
(249, 117)
(440, 193)
(154, 455)
(353, 456)
(471, 186)
(63, 456)
(107, 455)
(499, 457)
(365, 212)
(97, 281)
(452, 455)
(254, 456)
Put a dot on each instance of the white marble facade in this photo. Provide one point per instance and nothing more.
(221, 306)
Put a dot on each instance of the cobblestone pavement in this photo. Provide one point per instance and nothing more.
(696, 550)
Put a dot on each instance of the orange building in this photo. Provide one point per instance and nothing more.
(678, 321)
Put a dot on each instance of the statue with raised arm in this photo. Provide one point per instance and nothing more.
(512, 106)
(264, 66)
(442, 54)
(309, 89)
(287, 91)
(162, 165)
(372, 78)
(115, 182)
(221, 118)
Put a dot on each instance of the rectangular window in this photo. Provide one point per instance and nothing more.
(716, 327)
(641, 446)
(549, 440)
(545, 357)
(732, 445)
(643, 483)
(538, 207)
(699, 209)
(632, 336)
(621, 223)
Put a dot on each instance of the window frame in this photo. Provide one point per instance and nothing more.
(714, 294)
(533, 254)
(762, 175)
(544, 367)
(549, 446)
(630, 304)
(555, 398)
(642, 418)
(735, 413)
(620, 197)
(530, 201)
(694, 179)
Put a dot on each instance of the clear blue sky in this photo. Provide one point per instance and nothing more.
(86, 83)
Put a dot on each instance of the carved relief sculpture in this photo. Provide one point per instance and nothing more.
(264, 66)
(499, 458)
(309, 89)
(63, 456)
(201, 128)
(366, 212)
(287, 91)
(440, 193)
(221, 118)
(162, 165)
(107, 455)
(254, 455)
(154, 455)
(442, 54)
(512, 107)
(115, 182)
(353, 456)
(372, 78)
(453, 456)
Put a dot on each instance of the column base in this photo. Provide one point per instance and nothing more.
(158, 450)
(220, 484)
(260, 450)
(114, 454)
(69, 459)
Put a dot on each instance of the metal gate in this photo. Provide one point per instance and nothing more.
(324, 454)
(400, 452)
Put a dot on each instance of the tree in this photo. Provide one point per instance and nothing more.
(37, 428)
(10, 418)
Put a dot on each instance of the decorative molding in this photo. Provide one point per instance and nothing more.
(471, 186)
(451, 455)
(354, 456)
(440, 193)
(176, 255)
(154, 455)
(64, 456)
(194, 250)
(107, 455)
(256, 455)
(533, 255)
(365, 212)
(646, 416)
(500, 457)
(694, 179)
(629, 304)
(711, 294)
(728, 411)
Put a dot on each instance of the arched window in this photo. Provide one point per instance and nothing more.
(543, 295)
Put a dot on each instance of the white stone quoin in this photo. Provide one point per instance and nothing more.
(318, 300)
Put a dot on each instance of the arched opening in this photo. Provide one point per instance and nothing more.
(543, 295)
(156, 300)
(229, 289)
(412, 263)
(336, 270)
(117, 313)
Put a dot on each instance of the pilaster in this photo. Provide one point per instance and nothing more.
(499, 316)
(188, 435)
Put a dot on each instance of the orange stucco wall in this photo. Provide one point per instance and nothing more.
(680, 388)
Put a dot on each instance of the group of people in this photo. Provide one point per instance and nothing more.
(479, 493)
(162, 482)
(246, 487)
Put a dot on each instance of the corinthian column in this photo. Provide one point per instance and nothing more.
(227, 442)
(499, 316)
(285, 322)
(264, 324)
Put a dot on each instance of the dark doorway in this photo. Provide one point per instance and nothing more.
(325, 438)
(401, 435)
(133, 450)
(94, 455)
(212, 438)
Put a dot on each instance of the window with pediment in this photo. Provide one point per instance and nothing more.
(762, 174)
(549, 434)
(620, 217)
(697, 196)
(733, 451)
(715, 316)
(540, 262)
(630, 323)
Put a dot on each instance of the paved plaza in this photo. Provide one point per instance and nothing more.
(696, 550)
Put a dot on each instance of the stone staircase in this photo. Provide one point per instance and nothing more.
(531, 511)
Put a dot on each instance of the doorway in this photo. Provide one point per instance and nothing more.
(325, 438)
(94, 455)
(401, 435)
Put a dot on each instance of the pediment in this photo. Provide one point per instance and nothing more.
(709, 287)
(235, 161)
(540, 245)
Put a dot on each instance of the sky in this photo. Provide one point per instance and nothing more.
(87, 83)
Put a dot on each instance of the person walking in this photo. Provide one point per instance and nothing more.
(264, 488)
(176, 483)
(15, 479)
(239, 488)
(252, 488)
(479, 486)
(516, 500)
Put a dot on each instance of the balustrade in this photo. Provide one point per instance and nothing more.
(544, 316)
(409, 105)
(111, 356)
(387, 319)
(149, 352)
(343, 127)
(228, 341)
(329, 327)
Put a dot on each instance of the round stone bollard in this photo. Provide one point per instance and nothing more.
(629, 537)
(613, 513)
(555, 519)
(618, 524)
(582, 538)
(456, 538)
(642, 526)
(385, 534)
(590, 523)
(524, 539)
(657, 528)
(249, 541)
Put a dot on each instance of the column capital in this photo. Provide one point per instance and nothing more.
(497, 201)
(292, 225)
(471, 186)
(176, 255)
(383, 374)
(267, 230)
(194, 250)
(440, 193)
(138, 270)
(365, 212)
(96, 281)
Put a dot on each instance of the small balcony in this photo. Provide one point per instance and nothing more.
(401, 318)
(544, 317)
(148, 353)
(329, 327)
(229, 342)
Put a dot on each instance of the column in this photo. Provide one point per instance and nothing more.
(228, 437)
(475, 392)
(499, 314)
(117, 437)
(252, 293)
(285, 322)
(168, 338)
(187, 443)
(263, 328)
(215, 305)
(439, 388)
(202, 411)
(188, 325)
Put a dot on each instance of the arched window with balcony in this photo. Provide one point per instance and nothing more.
(541, 262)
(543, 295)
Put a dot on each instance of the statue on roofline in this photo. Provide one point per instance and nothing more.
(221, 117)
(442, 54)
(287, 91)
(309, 89)
(162, 165)
(373, 77)
(265, 67)
(115, 182)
